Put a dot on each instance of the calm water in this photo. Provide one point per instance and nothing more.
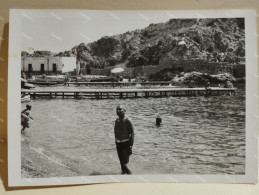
(199, 135)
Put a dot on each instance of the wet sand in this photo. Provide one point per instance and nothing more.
(36, 164)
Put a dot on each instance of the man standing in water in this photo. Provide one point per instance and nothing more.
(124, 138)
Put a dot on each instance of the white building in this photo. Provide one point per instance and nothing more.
(48, 65)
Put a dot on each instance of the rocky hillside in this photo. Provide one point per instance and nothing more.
(220, 40)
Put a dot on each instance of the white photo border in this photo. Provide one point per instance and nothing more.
(14, 104)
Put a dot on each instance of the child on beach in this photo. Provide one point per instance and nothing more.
(124, 138)
(25, 117)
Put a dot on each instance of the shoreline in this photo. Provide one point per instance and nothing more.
(36, 163)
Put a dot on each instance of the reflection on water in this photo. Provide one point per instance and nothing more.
(199, 135)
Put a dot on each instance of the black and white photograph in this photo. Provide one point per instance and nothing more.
(133, 94)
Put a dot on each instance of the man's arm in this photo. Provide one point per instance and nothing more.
(115, 127)
(131, 132)
(25, 116)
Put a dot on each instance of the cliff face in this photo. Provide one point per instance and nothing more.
(221, 40)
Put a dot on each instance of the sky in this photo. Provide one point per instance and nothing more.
(61, 30)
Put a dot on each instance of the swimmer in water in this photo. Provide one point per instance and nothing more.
(25, 117)
(158, 121)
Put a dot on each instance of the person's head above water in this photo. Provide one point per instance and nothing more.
(158, 120)
(120, 110)
(28, 107)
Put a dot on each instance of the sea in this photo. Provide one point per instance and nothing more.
(75, 137)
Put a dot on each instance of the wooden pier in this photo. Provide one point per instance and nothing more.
(127, 93)
(120, 84)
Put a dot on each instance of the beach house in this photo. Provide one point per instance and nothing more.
(48, 65)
